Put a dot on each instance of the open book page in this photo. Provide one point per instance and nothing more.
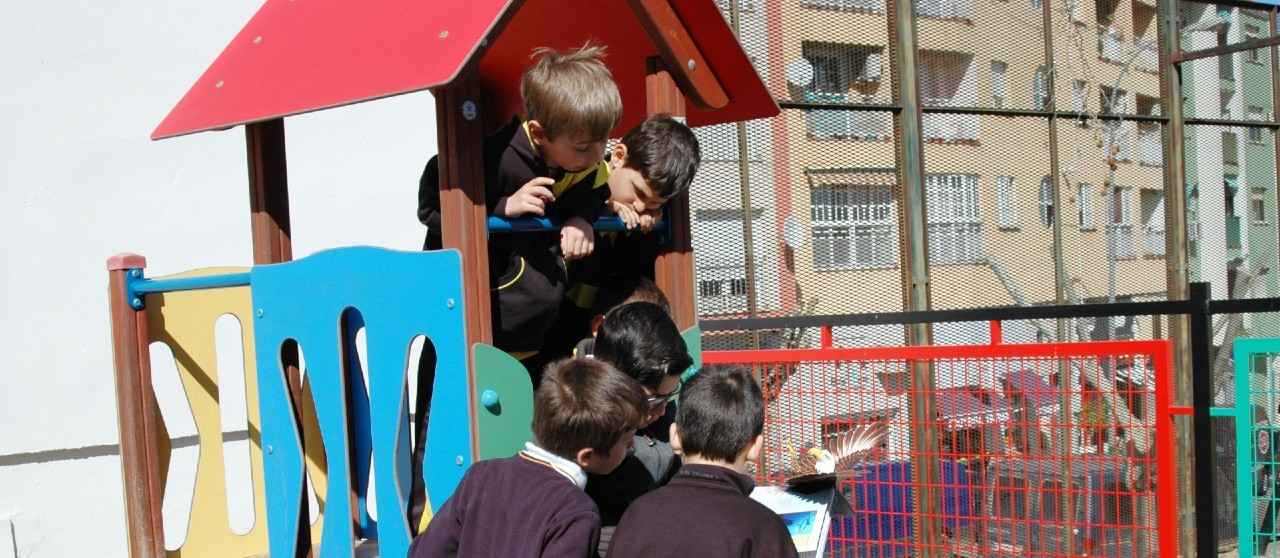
(807, 515)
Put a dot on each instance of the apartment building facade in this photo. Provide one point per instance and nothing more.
(824, 179)
(1231, 184)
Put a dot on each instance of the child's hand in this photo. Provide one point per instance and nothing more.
(532, 198)
(648, 219)
(577, 239)
(627, 213)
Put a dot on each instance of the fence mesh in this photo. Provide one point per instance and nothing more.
(1023, 462)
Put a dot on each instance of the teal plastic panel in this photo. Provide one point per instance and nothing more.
(1255, 447)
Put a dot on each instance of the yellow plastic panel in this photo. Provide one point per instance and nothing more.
(185, 322)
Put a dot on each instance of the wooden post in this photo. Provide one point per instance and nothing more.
(459, 129)
(137, 413)
(272, 243)
(673, 270)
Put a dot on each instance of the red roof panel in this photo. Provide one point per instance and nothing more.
(297, 56)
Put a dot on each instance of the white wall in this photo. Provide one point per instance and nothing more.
(85, 83)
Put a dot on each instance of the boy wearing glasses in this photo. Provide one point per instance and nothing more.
(640, 340)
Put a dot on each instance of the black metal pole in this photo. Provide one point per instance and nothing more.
(1202, 425)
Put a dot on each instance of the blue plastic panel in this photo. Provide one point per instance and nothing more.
(398, 295)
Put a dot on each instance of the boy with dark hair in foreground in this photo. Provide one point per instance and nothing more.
(706, 510)
(532, 505)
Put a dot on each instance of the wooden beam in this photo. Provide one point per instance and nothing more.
(673, 270)
(459, 129)
(268, 192)
(137, 413)
(680, 54)
(273, 243)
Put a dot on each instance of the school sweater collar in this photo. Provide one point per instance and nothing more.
(568, 469)
(716, 476)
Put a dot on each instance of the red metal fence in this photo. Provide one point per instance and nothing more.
(1060, 449)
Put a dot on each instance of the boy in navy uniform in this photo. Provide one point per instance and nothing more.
(706, 510)
(532, 505)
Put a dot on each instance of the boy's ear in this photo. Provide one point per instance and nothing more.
(673, 438)
(618, 155)
(753, 452)
(537, 133)
(583, 457)
(596, 321)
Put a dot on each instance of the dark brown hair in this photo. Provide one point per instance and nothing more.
(721, 412)
(585, 403)
(665, 152)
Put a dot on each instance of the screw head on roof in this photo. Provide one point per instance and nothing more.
(469, 110)
(218, 85)
(458, 460)
(444, 34)
(692, 64)
(450, 303)
(257, 40)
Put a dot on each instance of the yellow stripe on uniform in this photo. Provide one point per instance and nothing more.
(600, 169)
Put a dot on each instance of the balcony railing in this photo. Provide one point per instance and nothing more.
(1233, 232)
(836, 123)
(1111, 45)
(859, 5)
(945, 9)
(1153, 242)
(951, 127)
(1120, 241)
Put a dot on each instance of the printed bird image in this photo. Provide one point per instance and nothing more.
(843, 453)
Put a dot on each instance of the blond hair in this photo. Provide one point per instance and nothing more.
(571, 92)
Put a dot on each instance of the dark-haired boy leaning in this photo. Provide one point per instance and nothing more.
(706, 510)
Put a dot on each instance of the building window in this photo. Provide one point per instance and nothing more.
(709, 288)
(1040, 88)
(949, 79)
(1008, 208)
(1078, 89)
(1255, 133)
(955, 227)
(1084, 200)
(1252, 32)
(1046, 202)
(1120, 229)
(839, 67)
(998, 71)
(1152, 207)
(853, 226)
(1258, 205)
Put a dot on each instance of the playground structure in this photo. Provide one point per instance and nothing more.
(331, 425)
(343, 424)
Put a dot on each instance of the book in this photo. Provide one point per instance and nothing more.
(808, 515)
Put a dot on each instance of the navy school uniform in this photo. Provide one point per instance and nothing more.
(527, 276)
(516, 507)
(704, 511)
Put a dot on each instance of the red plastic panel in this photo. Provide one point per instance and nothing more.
(297, 56)
(1000, 480)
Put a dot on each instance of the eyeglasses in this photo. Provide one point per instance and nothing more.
(661, 399)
